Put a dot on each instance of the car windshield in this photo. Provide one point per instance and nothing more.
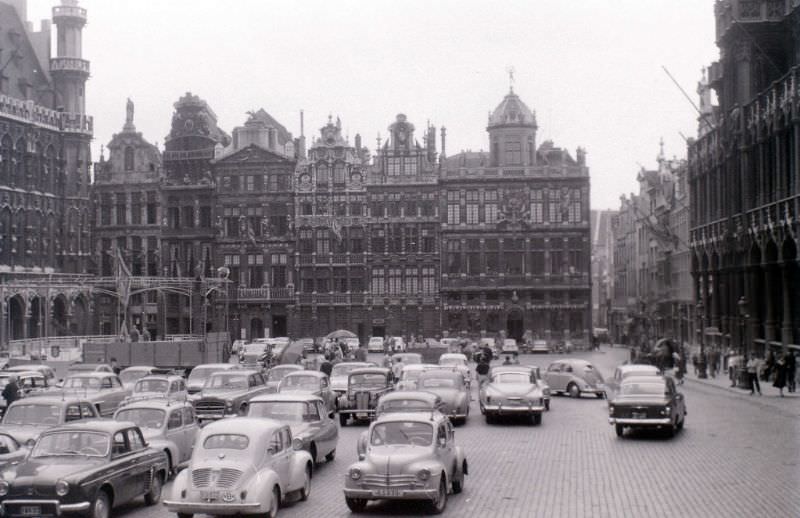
(152, 386)
(284, 411)
(277, 374)
(368, 380)
(80, 382)
(343, 369)
(512, 377)
(410, 374)
(452, 361)
(226, 441)
(92, 444)
(152, 418)
(405, 405)
(300, 382)
(224, 380)
(438, 383)
(199, 375)
(131, 376)
(82, 368)
(640, 372)
(403, 433)
(33, 414)
(254, 348)
(643, 389)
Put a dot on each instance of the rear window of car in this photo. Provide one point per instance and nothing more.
(512, 377)
(226, 441)
(648, 389)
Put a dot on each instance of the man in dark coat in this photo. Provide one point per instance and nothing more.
(326, 367)
(11, 391)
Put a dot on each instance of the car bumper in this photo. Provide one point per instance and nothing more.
(626, 421)
(220, 508)
(513, 409)
(392, 494)
(60, 508)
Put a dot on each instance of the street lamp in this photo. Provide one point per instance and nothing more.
(702, 373)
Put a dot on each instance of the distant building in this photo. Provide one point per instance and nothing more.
(44, 175)
(743, 177)
(602, 266)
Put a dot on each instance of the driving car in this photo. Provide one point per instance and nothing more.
(540, 346)
(510, 346)
(511, 391)
(200, 374)
(26, 419)
(647, 402)
(277, 373)
(45, 370)
(253, 353)
(86, 468)
(397, 344)
(407, 456)
(375, 344)
(339, 373)
(535, 375)
(103, 389)
(409, 375)
(309, 382)
(227, 393)
(158, 386)
(459, 362)
(241, 466)
(131, 375)
(30, 383)
(166, 425)
(574, 377)
(278, 344)
(406, 358)
(79, 368)
(364, 388)
(451, 387)
(408, 401)
(631, 369)
(309, 419)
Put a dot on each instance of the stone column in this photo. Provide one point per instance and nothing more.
(786, 324)
(769, 292)
(128, 208)
(716, 296)
(4, 323)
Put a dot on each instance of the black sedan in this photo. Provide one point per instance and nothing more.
(85, 468)
(647, 402)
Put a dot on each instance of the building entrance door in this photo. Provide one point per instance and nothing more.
(378, 331)
(256, 328)
(279, 326)
(514, 325)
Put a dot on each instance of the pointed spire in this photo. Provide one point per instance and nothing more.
(661, 149)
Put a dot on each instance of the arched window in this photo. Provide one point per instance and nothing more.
(18, 176)
(129, 158)
(6, 159)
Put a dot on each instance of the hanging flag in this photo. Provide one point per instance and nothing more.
(336, 228)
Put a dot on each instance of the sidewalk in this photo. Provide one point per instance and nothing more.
(770, 395)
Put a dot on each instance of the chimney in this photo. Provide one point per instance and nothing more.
(443, 132)
(359, 151)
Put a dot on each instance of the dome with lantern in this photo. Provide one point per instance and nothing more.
(512, 112)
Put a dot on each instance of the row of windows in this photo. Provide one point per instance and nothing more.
(256, 183)
(515, 263)
(403, 281)
(396, 166)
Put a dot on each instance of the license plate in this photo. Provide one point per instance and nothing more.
(30, 510)
(208, 495)
(638, 415)
(387, 492)
(513, 402)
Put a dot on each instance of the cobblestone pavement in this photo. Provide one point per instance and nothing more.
(736, 457)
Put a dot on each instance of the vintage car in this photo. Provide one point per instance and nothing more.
(364, 388)
(30, 383)
(200, 374)
(26, 419)
(647, 402)
(241, 466)
(535, 374)
(459, 362)
(540, 346)
(104, 390)
(509, 346)
(375, 344)
(408, 401)
(308, 418)
(574, 377)
(406, 358)
(80, 368)
(86, 468)
(254, 353)
(166, 425)
(451, 387)
(511, 392)
(315, 383)
(276, 374)
(407, 456)
(340, 373)
(11, 451)
(158, 386)
(227, 393)
(46, 370)
(409, 375)
(131, 375)
(397, 344)
(630, 369)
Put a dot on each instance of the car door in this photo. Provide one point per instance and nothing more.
(675, 400)
(554, 377)
(175, 433)
(126, 481)
(279, 456)
(444, 445)
(190, 429)
(327, 429)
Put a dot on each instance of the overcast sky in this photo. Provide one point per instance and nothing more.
(591, 69)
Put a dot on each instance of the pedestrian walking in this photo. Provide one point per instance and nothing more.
(769, 365)
(115, 366)
(326, 367)
(791, 372)
(11, 390)
(752, 375)
(482, 370)
(780, 374)
(397, 368)
(715, 356)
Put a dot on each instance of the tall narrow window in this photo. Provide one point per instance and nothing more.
(513, 153)
(129, 158)
(537, 206)
(377, 284)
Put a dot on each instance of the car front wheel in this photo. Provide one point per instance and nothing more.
(619, 430)
(440, 503)
(101, 508)
(154, 495)
(574, 391)
(306, 490)
(356, 505)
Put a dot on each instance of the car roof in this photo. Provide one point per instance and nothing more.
(360, 364)
(160, 403)
(639, 367)
(243, 372)
(513, 368)
(167, 377)
(95, 425)
(221, 366)
(91, 374)
(371, 370)
(19, 374)
(242, 425)
(410, 394)
(453, 355)
(418, 366)
(643, 379)
(441, 374)
(135, 368)
(29, 367)
(290, 366)
(316, 374)
(432, 417)
(285, 397)
(51, 400)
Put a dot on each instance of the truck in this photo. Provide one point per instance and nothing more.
(171, 354)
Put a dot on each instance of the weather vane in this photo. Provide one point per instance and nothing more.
(510, 71)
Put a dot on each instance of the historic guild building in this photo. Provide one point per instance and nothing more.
(515, 234)
(743, 173)
(44, 175)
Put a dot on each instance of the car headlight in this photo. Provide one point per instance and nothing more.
(355, 473)
(424, 474)
(3, 488)
(611, 409)
(297, 443)
(62, 487)
(666, 410)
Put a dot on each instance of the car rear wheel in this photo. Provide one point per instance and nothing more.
(306, 490)
(154, 495)
(536, 419)
(101, 508)
(356, 505)
(440, 503)
(275, 503)
(573, 390)
(619, 430)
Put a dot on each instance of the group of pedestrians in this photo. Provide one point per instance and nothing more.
(780, 369)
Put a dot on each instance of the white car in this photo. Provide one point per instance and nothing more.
(375, 344)
(241, 466)
(397, 344)
(510, 346)
(458, 362)
(540, 346)
(172, 388)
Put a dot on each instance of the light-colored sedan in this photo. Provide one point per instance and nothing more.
(104, 390)
(408, 456)
(535, 375)
(131, 375)
(624, 371)
(451, 388)
(410, 374)
(375, 344)
(166, 425)
(574, 377)
(511, 393)
(314, 383)
(158, 386)
(241, 466)
(459, 362)
(341, 371)
(277, 373)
